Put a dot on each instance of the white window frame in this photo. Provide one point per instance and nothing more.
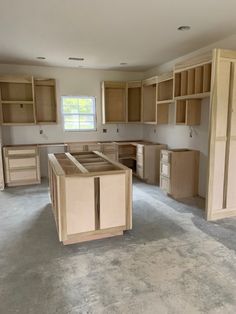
(80, 114)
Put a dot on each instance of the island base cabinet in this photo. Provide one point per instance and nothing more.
(90, 207)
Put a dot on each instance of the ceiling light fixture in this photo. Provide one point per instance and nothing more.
(123, 63)
(40, 58)
(76, 59)
(184, 28)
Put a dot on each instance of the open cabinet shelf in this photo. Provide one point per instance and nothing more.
(114, 102)
(149, 101)
(45, 101)
(193, 83)
(134, 95)
(188, 112)
(27, 101)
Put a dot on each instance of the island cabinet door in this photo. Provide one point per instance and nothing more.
(112, 201)
(79, 204)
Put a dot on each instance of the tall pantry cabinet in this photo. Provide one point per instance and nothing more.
(221, 196)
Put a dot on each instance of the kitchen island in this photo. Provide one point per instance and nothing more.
(91, 196)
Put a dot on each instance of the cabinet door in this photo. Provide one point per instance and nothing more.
(112, 201)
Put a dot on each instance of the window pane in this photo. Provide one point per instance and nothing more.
(86, 126)
(84, 118)
(79, 113)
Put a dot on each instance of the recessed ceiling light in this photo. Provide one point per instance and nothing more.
(123, 63)
(184, 28)
(76, 59)
(40, 58)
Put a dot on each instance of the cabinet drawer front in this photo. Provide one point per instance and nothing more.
(165, 184)
(22, 162)
(140, 172)
(23, 175)
(21, 151)
(74, 148)
(165, 169)
(139, 158)
(165, 156)
(140, 149)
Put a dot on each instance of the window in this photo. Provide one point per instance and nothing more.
(79, 113)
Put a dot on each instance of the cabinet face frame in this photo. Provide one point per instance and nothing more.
(221, 199)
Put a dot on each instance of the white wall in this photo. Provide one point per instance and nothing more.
(70, 82)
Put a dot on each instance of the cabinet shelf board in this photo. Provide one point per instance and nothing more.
(25, 102)
(167, 101)
(194, 96)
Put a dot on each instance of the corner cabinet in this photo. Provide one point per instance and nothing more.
(27, 101)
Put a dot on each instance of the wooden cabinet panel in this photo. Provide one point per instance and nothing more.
(22, 175)
(21, 165)
(80, 214)
(112, 201)
(21, 151)
(22, 162)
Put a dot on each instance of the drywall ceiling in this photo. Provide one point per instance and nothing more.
(107, 32)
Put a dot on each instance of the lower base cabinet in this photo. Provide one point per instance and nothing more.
(179, 172)
(21, 165)
(90, 199)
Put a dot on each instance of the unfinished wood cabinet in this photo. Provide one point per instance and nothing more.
(179, 171)
(110, 150)
(193, 79)
(45, 101)
(148, 162)
(188, 112)
(114, 102)
(2, 183)
(134, 102)
(91, 196)
(21, 165)
(17, 100)
(27, 101)
(221, 196)
(150, 100)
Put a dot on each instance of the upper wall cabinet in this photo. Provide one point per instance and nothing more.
(193, 79)
(17, 100)
(114, 102)
(122, 102)
(150, 100)
(134, 102)
(27, 101)
(45, 101)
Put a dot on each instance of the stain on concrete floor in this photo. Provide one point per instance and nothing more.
(173, 261)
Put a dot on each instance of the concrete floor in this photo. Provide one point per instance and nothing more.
(173, 261)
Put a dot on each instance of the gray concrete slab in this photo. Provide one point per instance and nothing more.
(173, 261)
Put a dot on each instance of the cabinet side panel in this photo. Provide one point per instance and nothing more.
(112, 201)
(79, 204)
